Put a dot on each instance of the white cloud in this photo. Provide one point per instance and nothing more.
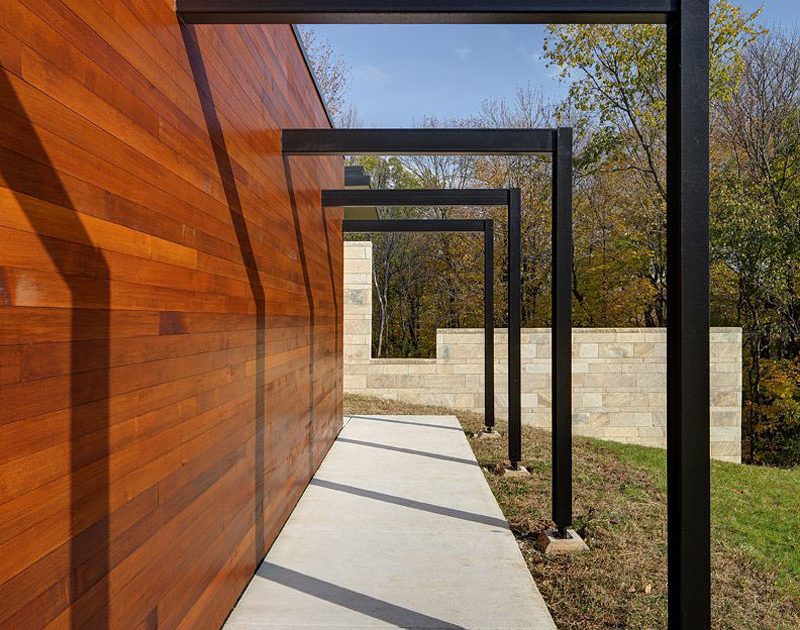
(463, 52)
(371, 75)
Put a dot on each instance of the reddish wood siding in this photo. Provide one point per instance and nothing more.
(170, 333)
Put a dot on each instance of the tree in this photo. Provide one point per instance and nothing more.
(756, 234)
(331, 74)
(617, 77)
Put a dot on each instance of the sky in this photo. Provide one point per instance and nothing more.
(401, 73)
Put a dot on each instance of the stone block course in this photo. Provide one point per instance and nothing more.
(619, 375)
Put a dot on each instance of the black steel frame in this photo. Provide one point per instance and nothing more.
(488, 141)
(447, 197)
(558, 144)
(485, 226)
(688, 415)
(458, 141)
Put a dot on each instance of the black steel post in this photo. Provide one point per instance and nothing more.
(688, 422)
(514, 316)
(561, 331)
(488, 324)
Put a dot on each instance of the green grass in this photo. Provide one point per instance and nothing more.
(620, 510)
(754, 508)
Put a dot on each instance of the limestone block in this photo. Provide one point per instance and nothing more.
(357, 352)
(616, 350)
(596, 381)
(726, 434)
(581, 418)
(621, 431)
(355, 367)
(642, 419)
(651, 381)
(469, 368)
(727, 449)
(652, 432)
(352, 382)
(588, 400)
(627, 336)
(725, 398)
(360, 326)
(535, 336)
(725, 350)
(602, 366)
(725, 418)
(594, 335)
(537, 367)
(473, 382)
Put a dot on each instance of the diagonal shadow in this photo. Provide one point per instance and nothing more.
(287, 168)
(411, 503)
(338, 352)
(408, 422)
(410, 451)
(225, 168)
(350, 599)
(83, 268)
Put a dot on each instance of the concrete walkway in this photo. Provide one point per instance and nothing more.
(398, 529)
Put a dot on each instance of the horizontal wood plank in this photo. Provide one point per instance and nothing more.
(161, 269)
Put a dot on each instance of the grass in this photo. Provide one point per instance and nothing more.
(620, 510)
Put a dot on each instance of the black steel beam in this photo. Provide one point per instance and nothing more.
(688, 421)
(514, 323)
(413, 225)
(417, 141)
(424, 11)
(488, 324)
(435, 197)
(561, 331)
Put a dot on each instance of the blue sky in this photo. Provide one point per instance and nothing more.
(401, 73)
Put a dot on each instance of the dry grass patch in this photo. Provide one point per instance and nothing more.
(620, 510)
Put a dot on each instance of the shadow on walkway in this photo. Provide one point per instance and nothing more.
(358, 602)
(410, 503)
(408, 422)
(410, 451)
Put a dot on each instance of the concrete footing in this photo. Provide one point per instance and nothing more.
(489, 435)
(553, 544)
(519, 471)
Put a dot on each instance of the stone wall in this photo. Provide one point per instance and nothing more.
(619, 375)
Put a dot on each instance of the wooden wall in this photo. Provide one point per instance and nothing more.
(170, 296)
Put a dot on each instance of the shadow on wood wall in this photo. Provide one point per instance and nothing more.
(228, 179)
(84, 270)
